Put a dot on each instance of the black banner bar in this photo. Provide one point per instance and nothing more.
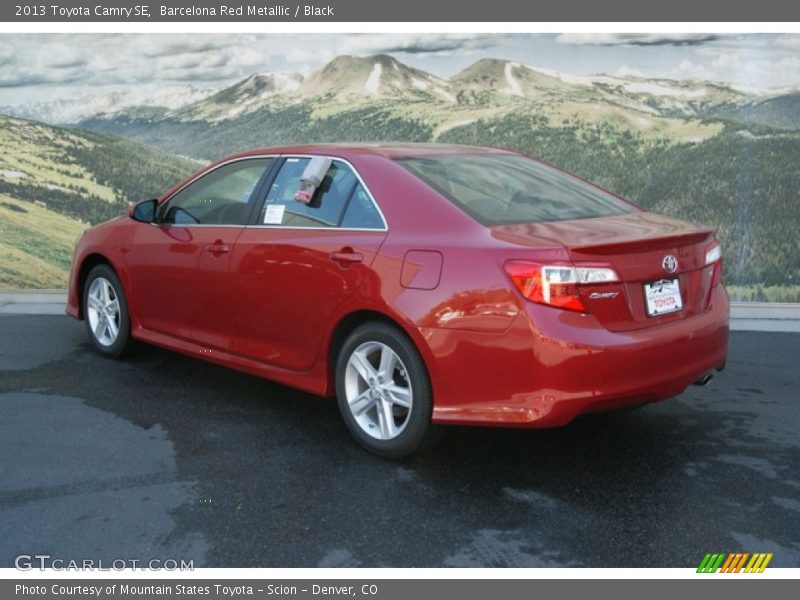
(405, 11)
(732, 588)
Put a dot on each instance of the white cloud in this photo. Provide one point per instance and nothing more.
(419, 43)
(727, 60)
(306, 55)
(788, 40)
(691, 70)
(61, 56)
(636, 39)
(6, 52)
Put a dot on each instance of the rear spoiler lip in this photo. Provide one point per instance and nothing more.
(643, 243)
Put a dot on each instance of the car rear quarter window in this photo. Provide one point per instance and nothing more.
(498, 189)
(361, 212)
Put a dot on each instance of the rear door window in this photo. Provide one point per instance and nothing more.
(326, 207)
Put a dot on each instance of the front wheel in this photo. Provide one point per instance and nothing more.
(105, 312)
(383, 391)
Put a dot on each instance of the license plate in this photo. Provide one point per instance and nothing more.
(663, 297)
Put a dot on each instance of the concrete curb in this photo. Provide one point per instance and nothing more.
(32, 302)
(745, 316)
(765, 316)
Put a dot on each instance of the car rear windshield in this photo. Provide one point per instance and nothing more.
(498, 189)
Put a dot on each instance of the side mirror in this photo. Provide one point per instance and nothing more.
(144, 211)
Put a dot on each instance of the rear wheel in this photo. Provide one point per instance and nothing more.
(383, 391)
(105, 312)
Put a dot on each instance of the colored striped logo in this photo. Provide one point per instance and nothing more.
(735, 562)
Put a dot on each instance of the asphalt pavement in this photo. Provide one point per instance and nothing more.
(163, 456)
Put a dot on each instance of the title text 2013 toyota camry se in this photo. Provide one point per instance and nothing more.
(420, 284)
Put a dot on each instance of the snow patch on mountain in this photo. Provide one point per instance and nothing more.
(175, 98)
(653, 88)
(656, 89)
(373, 82)
(583, 80)
(420, 84)
(514, 88)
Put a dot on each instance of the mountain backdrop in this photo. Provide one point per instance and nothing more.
(54, 182)
(697, 150)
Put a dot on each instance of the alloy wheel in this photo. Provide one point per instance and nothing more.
(378, 390)
(103, 311)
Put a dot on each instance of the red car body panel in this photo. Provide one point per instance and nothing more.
(294, 270)
(178, 259)
(271, 301)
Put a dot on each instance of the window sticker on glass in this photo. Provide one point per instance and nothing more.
(274, 214)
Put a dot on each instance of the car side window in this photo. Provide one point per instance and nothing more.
(325, 208)
(220, 197)
(361, 212)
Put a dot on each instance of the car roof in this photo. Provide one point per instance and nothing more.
(385, 150)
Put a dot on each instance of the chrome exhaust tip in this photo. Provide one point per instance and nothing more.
(704, 379)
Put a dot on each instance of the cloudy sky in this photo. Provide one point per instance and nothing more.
(44, 67)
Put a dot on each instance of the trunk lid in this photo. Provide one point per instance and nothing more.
(635, 245)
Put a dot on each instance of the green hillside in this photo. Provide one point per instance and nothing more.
(289, 125)
(55, 182)
(782, 112)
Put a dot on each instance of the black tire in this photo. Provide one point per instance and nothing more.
(418, 432)
(122, 343)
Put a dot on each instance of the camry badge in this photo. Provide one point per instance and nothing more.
(670, 263)
(603, 295)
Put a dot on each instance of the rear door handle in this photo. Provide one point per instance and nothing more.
(347, 256)
(217, 248)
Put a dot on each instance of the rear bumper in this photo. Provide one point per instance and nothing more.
(552, 365)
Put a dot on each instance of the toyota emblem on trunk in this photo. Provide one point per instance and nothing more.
(670, 263)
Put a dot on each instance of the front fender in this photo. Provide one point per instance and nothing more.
(107, 243)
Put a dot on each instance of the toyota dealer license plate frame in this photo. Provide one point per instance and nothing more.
(663, 297)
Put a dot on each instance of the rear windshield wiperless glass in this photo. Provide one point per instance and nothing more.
(502, 189)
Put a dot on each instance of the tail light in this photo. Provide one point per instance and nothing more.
(714, 257)
(557, 285)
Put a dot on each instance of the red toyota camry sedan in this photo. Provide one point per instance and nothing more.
(422, 285)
